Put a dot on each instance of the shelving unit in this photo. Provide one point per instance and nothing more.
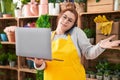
(86, 19)
(21, 68)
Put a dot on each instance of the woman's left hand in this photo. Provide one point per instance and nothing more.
(108, 43)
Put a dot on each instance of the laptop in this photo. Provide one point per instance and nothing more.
(33, 42)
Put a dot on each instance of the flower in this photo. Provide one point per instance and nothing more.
(10, 29)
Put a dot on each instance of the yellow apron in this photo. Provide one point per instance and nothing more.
(68, 69)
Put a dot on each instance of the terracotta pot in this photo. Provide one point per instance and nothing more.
(7, 15)
(11, 36)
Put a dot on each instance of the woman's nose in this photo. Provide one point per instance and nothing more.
(66, 21)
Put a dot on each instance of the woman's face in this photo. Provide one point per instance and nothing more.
(66, 21)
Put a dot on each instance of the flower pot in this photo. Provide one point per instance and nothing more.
(30, 64)
(99, 77)
(92, 76)
(11, 36)
(3, 37)
(106, 77)
(18, 12)
(43, 9)
(54, 10)
(12, 63)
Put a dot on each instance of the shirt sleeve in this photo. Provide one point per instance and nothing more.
(41, 67)
(88, 50)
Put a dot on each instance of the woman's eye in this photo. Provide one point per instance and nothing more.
(70, 20)
(64, 17)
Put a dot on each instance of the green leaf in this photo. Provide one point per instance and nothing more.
(97, 0)
(0, 45)
(43, 21)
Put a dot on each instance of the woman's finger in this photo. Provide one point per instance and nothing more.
(110, 38)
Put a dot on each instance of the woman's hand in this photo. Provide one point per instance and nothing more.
(108, 43)
(37, 61)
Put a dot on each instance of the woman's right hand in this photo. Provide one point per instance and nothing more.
(37, 61)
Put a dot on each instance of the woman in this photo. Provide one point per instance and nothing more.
(69, 43)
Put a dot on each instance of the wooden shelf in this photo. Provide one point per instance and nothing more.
(90, 79)
(87, 13)
(27, 70)
(117, 48)
(29, 17)
(7, 18)
(3, 42)
(8, 67)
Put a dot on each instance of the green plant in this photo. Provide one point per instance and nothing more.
(0, 45)
(3, 9)
(3, 59)
(28, 79)
(102, 66)
(39, 74)
(55, 1)
(90, 33)
(43, 21)
(12, 57)
(106, 72)
(25, 1)
(99, 73)
(2, 73)
(79, 1)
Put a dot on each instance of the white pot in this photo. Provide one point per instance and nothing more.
(116, 5)
(54, 10)
(12, 63)
(18, 12)
(99, 77)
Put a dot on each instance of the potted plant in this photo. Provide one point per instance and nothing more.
(43, 21)
(92, 74)
(10, 31)
(90, 33)
(99, 75)
(106, 75)
(12, 59)
(16, 7)
(54, 7)
(80, 5)
(3, 59)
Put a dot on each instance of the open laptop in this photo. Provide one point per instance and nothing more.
(33, 42)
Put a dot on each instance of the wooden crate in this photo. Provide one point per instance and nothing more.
(100, 37)
(101, 6)
(115, 28)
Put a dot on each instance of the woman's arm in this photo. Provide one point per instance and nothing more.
(92, 51)
(87, 49)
